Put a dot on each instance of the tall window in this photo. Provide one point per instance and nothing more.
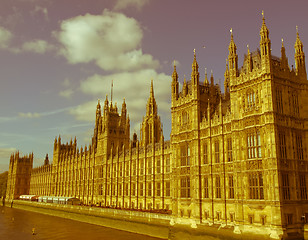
(294, 103)
(218, 188)
(299, 146)
(158, 166)
(149, 166)
(134, 168)
(184, 118)
(158, 189)
(282, 145)
(120, 170)
(100, 189)
(149, 189)
(229, 149)
(167, 188)
(255, 181)
(251, 99)
(133, 189)
(141, 167)
(185, 187)
(141, 189)
(231, 187)
(167, 164)
(206, 187)
(254, 145)
(185, 155)
(126, 189)
(302, 183)
(217, 152)
(127, 169)
(279, 101)
(205, 158)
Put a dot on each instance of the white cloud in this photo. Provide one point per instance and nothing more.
(112, 40)
(66, 93)
(29, 115)
(37, 46)
(84, 112)
(122, 4)
(5, 37)
(6, 152)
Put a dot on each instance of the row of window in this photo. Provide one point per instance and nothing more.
(298, 152)
(253, 150)
(133, 189)
(255, 184)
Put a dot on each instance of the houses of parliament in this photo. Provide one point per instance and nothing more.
(237, 158)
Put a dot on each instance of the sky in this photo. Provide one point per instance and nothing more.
(57, 58)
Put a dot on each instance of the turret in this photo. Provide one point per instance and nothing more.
(195, 77)
(300, 58)
(249, 61)
(46, 161)
(175, 84)
(124, 110)
(233, 58)
(265, 47)
(194, 72)
(227, 79)
(184, 90)
(206, 81)
(284, 59)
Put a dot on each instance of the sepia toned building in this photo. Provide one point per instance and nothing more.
(237, 158)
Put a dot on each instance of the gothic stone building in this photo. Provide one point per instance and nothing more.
(237, 159)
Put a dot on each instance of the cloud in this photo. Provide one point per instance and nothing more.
(5, 37)
(42, 114)
(40, 10)
(112, 40)
(66, 82)
(122, 4)
(85, 111)
(37, 46)
(29, 115)
(66, 93)
(6, 152)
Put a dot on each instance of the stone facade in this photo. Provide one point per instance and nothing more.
(234, 159)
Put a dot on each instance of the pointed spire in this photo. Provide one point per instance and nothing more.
(233, 58)
(300, 57)
(249, 60)
(265, 42)
(184, 86)
(284, 59)
(174, 74)
(212, 78)
(206, 81)
(298, 43)
(194, 72)
(98, 108)
(152, 91)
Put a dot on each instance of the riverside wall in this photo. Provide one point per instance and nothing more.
(151, 224)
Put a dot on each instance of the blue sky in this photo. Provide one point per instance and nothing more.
(58, 57)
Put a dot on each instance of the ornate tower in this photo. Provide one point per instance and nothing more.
(175, 85)
(233, 59)
(114, 129)
(151, 130)
(300, 58)
(265, 47)
(18, 182)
